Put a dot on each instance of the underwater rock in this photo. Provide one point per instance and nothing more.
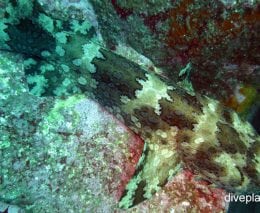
(174, 34)
(60, 154)
(149, 66)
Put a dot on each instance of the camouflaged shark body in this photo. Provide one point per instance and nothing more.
(178, 129)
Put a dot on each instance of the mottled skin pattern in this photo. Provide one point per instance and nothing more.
(197, 131)
(178, 129)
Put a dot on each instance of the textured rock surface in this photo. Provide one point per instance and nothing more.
(147, 63)
(62, 155)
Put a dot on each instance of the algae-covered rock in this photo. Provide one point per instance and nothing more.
(60, 155)
(106, 104)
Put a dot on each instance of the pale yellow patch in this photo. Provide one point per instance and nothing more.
(153, 90)
(231, 164)
(245, 130)
(206, 128)
(257, 161)
(160, 160)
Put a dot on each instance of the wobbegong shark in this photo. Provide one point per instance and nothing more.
(196, 132)
(180, 130)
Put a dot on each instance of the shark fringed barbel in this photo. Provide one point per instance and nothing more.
(196, 132)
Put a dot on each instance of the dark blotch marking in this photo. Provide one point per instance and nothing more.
(29, 38)
(191, 100)
(255, 120)
(250, 168)
(122, 12)
(139, 193)
(227, 114)
(204, 161)
(174, 117)
(183, 136)
(140, 190)
(229, 139)
(148, 118)
(116, 77)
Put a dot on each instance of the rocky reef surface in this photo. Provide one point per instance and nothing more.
(60, 155)
(128, 106)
